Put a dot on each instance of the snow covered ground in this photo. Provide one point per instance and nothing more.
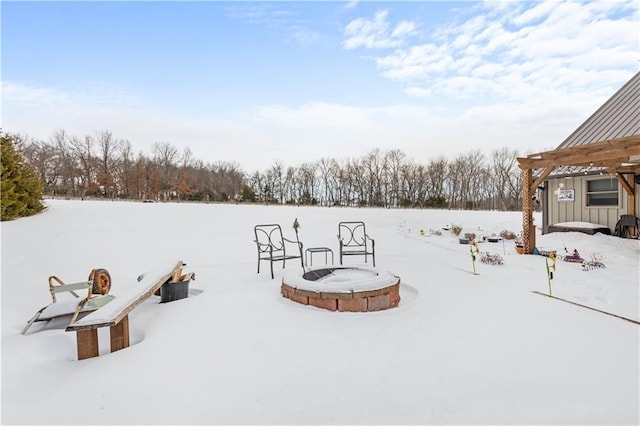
(459, 349)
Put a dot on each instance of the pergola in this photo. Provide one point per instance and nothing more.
(620, 156)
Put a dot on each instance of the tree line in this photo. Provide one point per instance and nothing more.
(102, 165)
(389, 179)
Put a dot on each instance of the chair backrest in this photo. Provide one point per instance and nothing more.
(352, 234)
(269, 237)
(624, 225)
(628, 220)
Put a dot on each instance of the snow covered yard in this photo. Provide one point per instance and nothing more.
(459, 349)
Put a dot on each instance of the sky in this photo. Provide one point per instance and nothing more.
(459, 349)
(260, 82)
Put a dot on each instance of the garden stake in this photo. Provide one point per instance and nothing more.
(551, 257)
(474, 245)
(296, 225)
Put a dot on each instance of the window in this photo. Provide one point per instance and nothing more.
(602, 192)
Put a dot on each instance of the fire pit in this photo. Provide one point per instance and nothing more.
(346, 289)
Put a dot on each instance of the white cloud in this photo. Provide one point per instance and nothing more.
(536, 13)
(304, 36)
(276, 18)
(313, 115)
(513, 84)
(403, 29)
(351, 4)
(376, 33)
(561, 46)
(294, 135)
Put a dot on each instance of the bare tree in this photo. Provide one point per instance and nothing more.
(108, 147)
(83, 152)
(394, 161)
(124, 173)
(68, 184)
(43, 157)
(505, 177)
(328, 168)
(165, 157)
(438, 182)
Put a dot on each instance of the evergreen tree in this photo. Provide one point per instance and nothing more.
(20, 189)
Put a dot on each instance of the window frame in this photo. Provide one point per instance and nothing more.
(588, 194)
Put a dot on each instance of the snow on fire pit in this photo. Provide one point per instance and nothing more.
(347, 289)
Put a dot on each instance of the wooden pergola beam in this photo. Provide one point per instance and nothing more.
(625, 184)
(624, 151)
(626, 142)
(541, 178)
(621, 156)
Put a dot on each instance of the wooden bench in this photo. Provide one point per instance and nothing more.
(115, 315)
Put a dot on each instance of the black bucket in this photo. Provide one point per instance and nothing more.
(174, 291)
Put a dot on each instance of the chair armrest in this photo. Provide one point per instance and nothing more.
(299, 243)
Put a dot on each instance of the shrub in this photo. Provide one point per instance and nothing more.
(21, 189)
(507, 235)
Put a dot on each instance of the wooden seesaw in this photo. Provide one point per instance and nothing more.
(97, 285)
(115, 314)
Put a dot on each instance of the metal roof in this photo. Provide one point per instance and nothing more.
(616, 118)
(613, 131)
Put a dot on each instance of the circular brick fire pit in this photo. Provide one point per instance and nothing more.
(346, 289)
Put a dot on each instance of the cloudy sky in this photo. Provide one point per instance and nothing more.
(259, 82)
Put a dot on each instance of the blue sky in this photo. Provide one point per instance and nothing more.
(260, 82)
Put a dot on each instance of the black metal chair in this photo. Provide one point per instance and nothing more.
(354, 241)
(628, 226)
(271, 246)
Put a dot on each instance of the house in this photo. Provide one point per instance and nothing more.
(594, 175)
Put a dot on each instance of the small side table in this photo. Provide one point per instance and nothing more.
(308, 254)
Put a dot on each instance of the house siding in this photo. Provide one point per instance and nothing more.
(617, 118)
(577, 210)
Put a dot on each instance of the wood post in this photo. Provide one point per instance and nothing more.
(87, 341)
(631, 200)
(120, 334)
(528, 228)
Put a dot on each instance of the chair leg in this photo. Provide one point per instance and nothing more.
(271, 263)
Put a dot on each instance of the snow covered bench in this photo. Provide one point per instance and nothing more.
(584, 227)
(116, 313)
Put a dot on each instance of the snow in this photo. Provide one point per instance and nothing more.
(459, 349)
(342, 280)
(585, 225)
(126, 296)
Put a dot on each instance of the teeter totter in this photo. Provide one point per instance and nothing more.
(115, 313)
(97, 285)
